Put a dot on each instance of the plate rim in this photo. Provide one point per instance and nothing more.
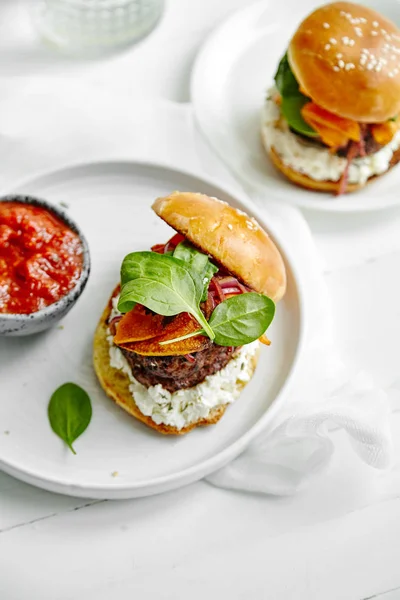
(197, 85)
(117, 490)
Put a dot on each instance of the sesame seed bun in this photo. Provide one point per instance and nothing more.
(116, 383)
(346, 57)
(231, 237)
(304, 181)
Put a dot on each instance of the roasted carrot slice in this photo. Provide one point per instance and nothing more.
(384, 132)
(334, 131)
(264, 340)
(182, 324)
(138, 324)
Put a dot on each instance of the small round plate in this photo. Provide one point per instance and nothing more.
(231, 76)
(118, 457)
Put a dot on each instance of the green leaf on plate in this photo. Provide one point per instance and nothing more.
(69, 412)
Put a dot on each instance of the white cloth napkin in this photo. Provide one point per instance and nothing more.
(50, 122)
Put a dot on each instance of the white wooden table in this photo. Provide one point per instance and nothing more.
(339, 538)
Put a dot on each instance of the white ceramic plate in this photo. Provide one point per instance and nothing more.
(111, 202)
(232, 73)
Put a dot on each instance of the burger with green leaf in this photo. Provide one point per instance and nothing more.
(179, 337)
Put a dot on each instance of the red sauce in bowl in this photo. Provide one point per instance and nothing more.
(41, 258)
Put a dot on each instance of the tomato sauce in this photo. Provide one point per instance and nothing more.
(41, 258)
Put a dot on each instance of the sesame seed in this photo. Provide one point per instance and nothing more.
(341, 63)
(339, 55)
(345, 40)
(378, 67)
(363, 20)
(327, 46)
(351, 43)
(373, 32)
(325, 25)
(390, 74)
(383, 31)
(335, 68)
(333, 41)
(230, 226)
(375, 24)
(349, 66)
(358, 31)
(370, 66)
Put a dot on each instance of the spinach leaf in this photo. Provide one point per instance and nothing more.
(188, 253)
(69, 412)
(291, 109)
(208, 274)
(164, 284)
(242, 319)
(285, 81)
(238, 320)
(199, 263)
(292, 99)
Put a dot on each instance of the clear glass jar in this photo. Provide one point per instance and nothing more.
(78, 26)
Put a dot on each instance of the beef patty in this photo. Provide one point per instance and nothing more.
(178, 372)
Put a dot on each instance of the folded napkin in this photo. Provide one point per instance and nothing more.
(325, 396)
(45, 123)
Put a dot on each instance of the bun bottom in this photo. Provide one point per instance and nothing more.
(308, 183)
(116, 384)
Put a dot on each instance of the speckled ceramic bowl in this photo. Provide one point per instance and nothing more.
(21, 324)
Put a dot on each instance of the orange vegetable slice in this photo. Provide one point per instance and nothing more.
(138, 324)
(333, 130)
(384, 132)
(182, 324)
(264, 340)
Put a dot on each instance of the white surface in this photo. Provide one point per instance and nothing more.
(339, 538)
(231, 78)
(112, 203)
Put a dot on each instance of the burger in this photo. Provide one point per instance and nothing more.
(180, 335)
(331, 122)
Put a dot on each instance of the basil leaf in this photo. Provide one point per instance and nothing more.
(69, 412)
(164, 284)
(197, 262)
(242, 319)
(292, 99)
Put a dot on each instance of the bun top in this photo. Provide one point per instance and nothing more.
(231, 237)
(346, 57)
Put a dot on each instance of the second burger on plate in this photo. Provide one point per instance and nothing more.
(180, 335)
(331, 123)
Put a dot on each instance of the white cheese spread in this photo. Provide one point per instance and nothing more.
(179, 409)
(317, 162)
